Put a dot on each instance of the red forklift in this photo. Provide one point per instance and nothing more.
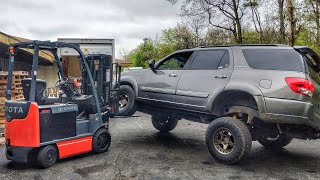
(45, 129)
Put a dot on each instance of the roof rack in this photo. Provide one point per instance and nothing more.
(235, 45)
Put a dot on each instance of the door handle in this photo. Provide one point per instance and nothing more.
(220, 77)
(173, 75)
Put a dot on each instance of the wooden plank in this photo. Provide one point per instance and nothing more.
(17, 97)
(14, 81)
(17, 91)
(14, 77)
(6, 39)
(21, 73)
(15, 73)
(13, 86)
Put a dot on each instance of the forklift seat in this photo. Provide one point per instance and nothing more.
(41, 86)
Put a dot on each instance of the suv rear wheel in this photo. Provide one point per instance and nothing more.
(275, 143)
(164, 123)
(228, 140)
(127, 104)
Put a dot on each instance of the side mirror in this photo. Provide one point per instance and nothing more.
(151, 64)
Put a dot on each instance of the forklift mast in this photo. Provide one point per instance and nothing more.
(106, 77)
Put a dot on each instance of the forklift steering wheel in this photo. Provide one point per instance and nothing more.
(61, 82)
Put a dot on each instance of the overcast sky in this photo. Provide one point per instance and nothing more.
(126, 21)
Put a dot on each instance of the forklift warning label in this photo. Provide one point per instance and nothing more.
(64, 108)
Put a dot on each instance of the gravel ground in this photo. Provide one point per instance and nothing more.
(138, 151)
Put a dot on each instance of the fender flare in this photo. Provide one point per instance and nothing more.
(132, 81)
(242, 87)
(252, 113)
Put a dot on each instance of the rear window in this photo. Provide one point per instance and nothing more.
(274, 59)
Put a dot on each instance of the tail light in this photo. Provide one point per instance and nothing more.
(300, 86)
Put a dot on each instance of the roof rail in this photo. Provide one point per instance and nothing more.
(235, 45)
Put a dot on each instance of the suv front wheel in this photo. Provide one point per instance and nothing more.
(127, 104)
(164, 123)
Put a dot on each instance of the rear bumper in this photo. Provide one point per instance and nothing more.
(18, 154)
(290, 112)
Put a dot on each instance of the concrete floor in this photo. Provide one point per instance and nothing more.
(138, 151)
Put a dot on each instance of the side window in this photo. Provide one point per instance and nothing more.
(211, 60)
(175, 62)
(274, 59)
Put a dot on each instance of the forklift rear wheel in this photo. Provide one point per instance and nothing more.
(47, 156)
(164, 123)
(101, 141)
(127, 104)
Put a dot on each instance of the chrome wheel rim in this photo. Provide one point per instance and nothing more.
(123, 101)
(223, 141)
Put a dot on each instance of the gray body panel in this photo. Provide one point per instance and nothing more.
(197, 87)
(196, 90)
(159, 86)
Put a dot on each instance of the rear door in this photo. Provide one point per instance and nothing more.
(210, 71)
(160, 85)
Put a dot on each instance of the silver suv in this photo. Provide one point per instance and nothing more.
(268, 93)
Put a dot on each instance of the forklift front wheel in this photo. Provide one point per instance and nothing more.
(47, 156)
(101, 141)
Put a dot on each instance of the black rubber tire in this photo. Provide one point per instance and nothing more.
(241, 136)
(131, 107)
(277, 143)
(47, 156)
(101, 141)
(164, 123)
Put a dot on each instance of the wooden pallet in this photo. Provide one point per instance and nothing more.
(13, 86)
(19, 73)
(16, 91)
(2, 120)
(18, 97)
(14, 81)
(15, 97)
(14, 77)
